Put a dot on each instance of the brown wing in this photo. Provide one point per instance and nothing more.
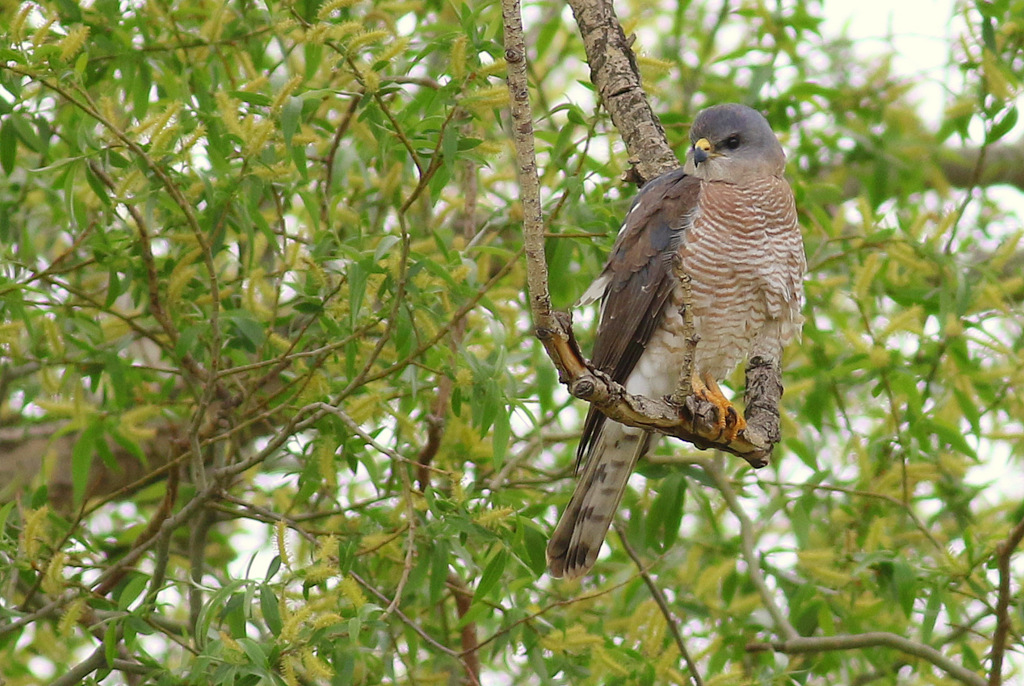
(638, 281)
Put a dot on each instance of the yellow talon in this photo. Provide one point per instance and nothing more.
(728, 422)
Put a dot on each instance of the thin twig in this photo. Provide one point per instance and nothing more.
(782, 625)
(662, 602)
(1004, 554)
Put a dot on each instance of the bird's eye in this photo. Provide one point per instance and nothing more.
(732, 142)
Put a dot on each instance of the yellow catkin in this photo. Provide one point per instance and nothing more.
(258, 135)
(496, 518)
(282, 544)
(19, 22)
(73, 42)
(457, 57)
(42, 32)
(487, 99)
(360, 41)
(73, 612)
(343, 30)
(294, 623)
(910, 319)
(319, 573)
(400, 7)
(353, 594)
(228, 108)
(370, 79)
(652, 66)
(197, 135)
(611, 664)
(231, 643)
(53, 581)
(327, 550)
(314, 665)
(211, 30)
(288, 671)
(286, 91)
(399, 46)
(866, 275)
(54, 339)
(180, 277)
(325, 619)
(161, 140)
(34, 533)
(278, 342)
(325, 464)
(329, 7)
(496, 68)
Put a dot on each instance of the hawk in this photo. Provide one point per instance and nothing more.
(726, 219)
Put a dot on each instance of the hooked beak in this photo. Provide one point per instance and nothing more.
(702, 150)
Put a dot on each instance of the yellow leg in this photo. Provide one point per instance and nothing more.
(729, 422)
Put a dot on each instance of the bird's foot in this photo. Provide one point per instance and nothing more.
(720, 423)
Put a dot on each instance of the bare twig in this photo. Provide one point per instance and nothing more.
(662, 602)
(1004, 553)
(405, 618)
(872, 639)
(83, 669)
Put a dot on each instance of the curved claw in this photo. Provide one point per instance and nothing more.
(728, 421)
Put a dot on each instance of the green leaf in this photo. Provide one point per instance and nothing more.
(81, 460)
(131, 590)
(491, 575)
(270, 608)
(501, 436)
(8, 145)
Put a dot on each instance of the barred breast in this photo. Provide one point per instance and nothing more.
(744, 254)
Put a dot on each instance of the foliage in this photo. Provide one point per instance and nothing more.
(272, 396)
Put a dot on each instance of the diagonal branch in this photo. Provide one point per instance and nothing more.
(782, 624)
(662, 602)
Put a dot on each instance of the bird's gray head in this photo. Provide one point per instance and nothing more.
(735, 144)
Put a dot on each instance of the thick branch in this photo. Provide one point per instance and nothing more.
(693, 421)
(614, 71)
(873, 639)
(1003, 164)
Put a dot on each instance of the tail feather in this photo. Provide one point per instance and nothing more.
(582, 528)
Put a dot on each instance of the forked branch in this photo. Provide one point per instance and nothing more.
(692, 420)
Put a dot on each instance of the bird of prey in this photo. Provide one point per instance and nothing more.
(726, 219)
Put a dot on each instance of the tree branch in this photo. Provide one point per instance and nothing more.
(615, 73)
(662, 602)
(873, 639)
(782, 625)
(1003, 164)
(613, 69)
(1004, 553)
